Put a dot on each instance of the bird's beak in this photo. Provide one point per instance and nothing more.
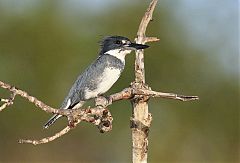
(134, 46)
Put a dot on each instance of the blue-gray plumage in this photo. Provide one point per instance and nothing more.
(99, 77)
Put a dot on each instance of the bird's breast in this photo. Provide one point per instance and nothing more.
(105, 81)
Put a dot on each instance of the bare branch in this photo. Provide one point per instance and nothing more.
(174, 96)
(7, 102)
(151, 39)
(47, 139)
(99, 115)
(25, 95)
(144, 23)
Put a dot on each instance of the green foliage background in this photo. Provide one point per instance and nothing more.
(44, 45)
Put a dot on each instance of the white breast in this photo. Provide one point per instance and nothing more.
(108, 78)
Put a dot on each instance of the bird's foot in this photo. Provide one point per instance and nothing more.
(102, 101)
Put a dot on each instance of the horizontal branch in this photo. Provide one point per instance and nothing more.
(98, 115)
(25, 95)
(165, 95)
(127, 93)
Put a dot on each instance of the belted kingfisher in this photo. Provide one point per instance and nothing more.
(99, 77)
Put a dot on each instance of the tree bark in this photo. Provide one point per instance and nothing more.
(141, 118)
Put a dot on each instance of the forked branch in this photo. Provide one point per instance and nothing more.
(98, 115)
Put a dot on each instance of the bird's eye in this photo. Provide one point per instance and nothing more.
(118, 42)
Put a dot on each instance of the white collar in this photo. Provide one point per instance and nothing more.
(118, 53)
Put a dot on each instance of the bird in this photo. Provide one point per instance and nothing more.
(99, 76)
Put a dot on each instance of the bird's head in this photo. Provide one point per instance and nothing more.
(119, 46)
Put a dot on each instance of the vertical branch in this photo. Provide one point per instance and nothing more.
(141, 119)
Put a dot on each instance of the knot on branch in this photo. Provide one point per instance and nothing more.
(99, 116)
(106, 119)
(136, 88)
(102, 101)
(142, 126)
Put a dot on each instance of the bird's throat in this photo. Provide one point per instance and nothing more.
(119, 53)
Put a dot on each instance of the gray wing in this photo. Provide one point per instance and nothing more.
(89, 79)
(83, 82)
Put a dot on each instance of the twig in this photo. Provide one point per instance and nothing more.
(99, 117)
(25, 95)
(47, 139)
(151, 39)
(174, 96)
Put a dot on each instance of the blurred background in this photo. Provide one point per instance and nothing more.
(44, 45)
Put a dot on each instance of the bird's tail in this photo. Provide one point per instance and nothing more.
(52, 120)
(55, 117)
